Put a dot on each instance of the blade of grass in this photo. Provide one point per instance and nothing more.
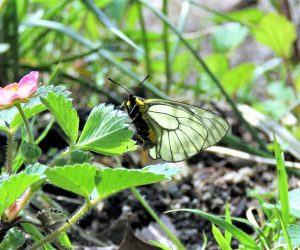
(217, 13)
(11, 35)
(144, 39)
(239, 144)
(235, 231)
(204, 245)
(228, 235)
(37, 36)
(282, 183)
(105, 20)
(102, 53)
(220, 238)
(284, 230)
(72, 57)
(139, 197)
(166, 47)
(251, 129)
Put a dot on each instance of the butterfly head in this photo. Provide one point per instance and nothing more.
(134, 102)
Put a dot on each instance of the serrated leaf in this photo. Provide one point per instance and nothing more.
(36, 168)
(31, 108)
(78, 179)
(278, 33)
(228, 36)
(65, 114)
(115, 180)
(13, 239)
(106, 132)
(82, 179)
(13, 187)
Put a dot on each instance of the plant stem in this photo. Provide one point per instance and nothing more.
(45, 131)
(87, 206)
(10, 143)
(145, 204)
(209, 72)
(13, 211)
(144, 39)
(166, 47)
(26, 122)
(289, 76)
(15, 39)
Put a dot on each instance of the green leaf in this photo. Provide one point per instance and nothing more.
(13, 239)
(106, 132)
(34, 106)
(65, 114)
(228, 36)
(78, 179)
(205, 241)
(240, 235)
(115, 180)
(65, 240)
(237, 77)
(228, 235)
(294, 202)
(82, 179)
(217, 63)
(36, 235)
(160, 245)
(276, 32)
(13, 187)
(282, 183)
(220, 238)
(293, 231)
(36, 168)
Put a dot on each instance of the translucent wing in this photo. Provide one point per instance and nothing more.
(182, 130)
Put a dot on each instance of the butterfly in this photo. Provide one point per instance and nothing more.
(173, 131)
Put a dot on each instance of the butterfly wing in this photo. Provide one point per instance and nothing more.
(182, 130)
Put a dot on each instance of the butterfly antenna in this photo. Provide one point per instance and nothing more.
(143, 81)
(119, 85)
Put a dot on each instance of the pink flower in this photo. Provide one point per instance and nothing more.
(18, 92)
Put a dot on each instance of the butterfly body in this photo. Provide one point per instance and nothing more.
(136, 108)
(174, 131)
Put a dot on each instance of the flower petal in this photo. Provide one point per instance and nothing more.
(6, 96)
(30, 79)
(26, 90)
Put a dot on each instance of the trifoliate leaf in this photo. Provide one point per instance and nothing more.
(106, 132)
(83, 179)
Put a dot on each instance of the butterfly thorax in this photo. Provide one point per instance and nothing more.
(136, 107)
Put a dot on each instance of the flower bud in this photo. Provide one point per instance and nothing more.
(31, 152)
